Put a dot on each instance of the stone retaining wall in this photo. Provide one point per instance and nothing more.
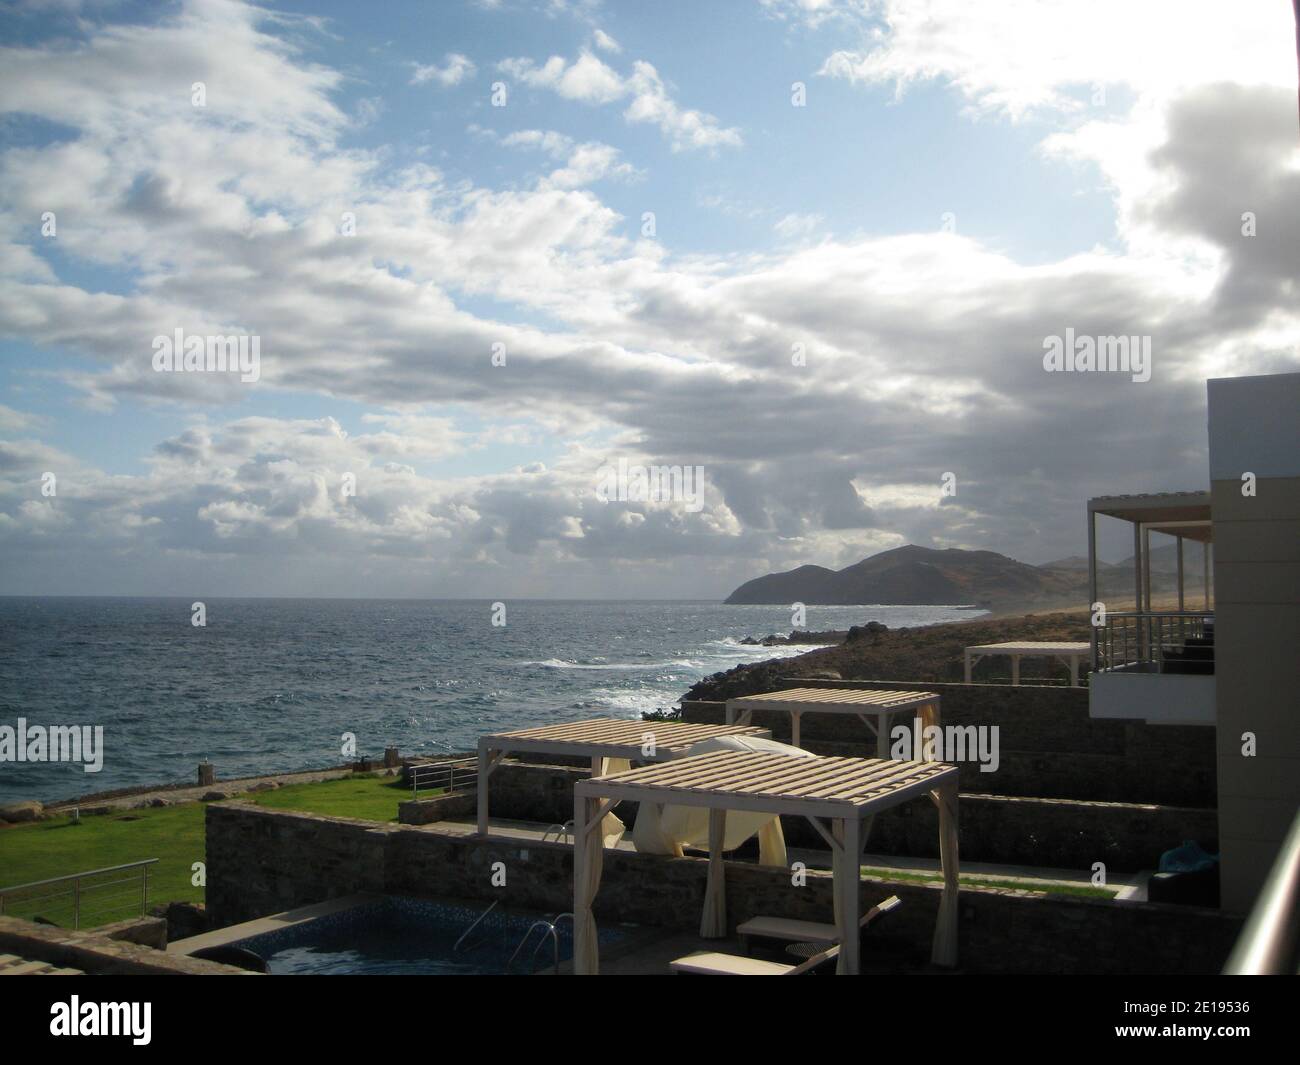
(1049, 746)
(261, 861)
(127, 948)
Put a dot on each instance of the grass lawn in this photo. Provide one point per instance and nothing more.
(172, 834)
(44, 849)
(1085, 891)
(366, 797)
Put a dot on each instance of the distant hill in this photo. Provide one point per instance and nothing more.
(919, 576)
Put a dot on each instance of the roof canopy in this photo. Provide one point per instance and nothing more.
(845, 791)
(1163, 512)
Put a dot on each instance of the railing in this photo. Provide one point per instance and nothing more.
(1269, 945)
(477, 921)
(81, 898)
(448, 775)
(1146, 641)
(548, 932)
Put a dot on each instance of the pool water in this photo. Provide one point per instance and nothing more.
(399, 936)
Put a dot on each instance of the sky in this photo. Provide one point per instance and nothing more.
(489, 251)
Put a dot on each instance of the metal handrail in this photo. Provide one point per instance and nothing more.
(1140, 638)
(74, 880)
(548, 929)
(425, 773)
(1269, 945)
(456, 946)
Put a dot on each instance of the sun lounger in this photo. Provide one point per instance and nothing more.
(709, 963)
(813, 932)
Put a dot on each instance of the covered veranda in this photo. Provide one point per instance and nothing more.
(836, 795)
(1137, 639)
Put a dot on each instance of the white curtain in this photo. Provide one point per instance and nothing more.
(612, 828)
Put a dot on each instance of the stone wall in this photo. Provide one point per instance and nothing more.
(1049, 746)
(261, 861)
(1056, 833)
(128, 948)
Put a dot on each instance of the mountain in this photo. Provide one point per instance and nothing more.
(918, 576)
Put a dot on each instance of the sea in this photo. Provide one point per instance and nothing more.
(275, 685)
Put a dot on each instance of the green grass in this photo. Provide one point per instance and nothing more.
(1086, 891)
(45, 849)
(172, 834)
(369, 798)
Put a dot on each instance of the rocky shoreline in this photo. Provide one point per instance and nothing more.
(876, 652)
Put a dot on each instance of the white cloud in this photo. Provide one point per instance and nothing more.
(605, 42)
(455, 69)
(589, 80)
(923, 350)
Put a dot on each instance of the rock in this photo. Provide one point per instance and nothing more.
(264, 785)
(18, 812)
(159, 802)
(214, 796)
(821, 674)
(872, 630)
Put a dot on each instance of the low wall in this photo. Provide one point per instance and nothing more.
(1049, 746)
(1056, 833)
(128, 948)
(261, 861)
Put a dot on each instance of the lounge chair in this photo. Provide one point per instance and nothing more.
(709, 963)
(813, 932)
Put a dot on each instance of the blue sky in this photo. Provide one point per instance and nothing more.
(959, 185)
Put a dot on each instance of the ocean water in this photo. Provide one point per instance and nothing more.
(271, 685)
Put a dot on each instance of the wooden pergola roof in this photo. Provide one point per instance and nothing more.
(773, 783)
(831, 699)
(612, 737)
(1034, 647)
(843, 791)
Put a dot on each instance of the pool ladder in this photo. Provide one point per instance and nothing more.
(477, 921)
(548, 932)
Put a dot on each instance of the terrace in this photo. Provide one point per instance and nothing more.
(1156, 661)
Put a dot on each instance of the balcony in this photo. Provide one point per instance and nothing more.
(1153, 664)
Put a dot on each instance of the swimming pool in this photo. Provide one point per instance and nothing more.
(403, 936)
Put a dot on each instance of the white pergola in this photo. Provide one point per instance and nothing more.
(874, 708)
(597, 739)
(1069, 652)
(835, 794)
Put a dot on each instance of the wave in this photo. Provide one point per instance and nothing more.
(561, 663)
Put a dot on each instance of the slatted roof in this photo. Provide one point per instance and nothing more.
(775, 783)
(613, 737)
(858, 700)
(1034, 647)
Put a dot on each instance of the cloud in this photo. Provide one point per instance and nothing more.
(605, 42)
(589, 80)
(920, 353)
(455, 69)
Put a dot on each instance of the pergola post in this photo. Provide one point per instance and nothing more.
(1180, 573)
(945, 928)
(847, 878)
(713, 922)
(484, 772)
(1092, 581)
(587, 861)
